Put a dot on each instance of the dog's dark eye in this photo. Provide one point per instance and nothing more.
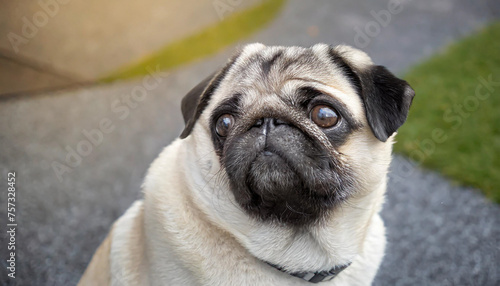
(224, 124)
(324, 116)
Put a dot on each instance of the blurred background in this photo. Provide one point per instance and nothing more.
(90, 94)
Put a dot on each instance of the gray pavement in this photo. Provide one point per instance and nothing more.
(439, 233)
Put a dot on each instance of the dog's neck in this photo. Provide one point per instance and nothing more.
(315, 276)
(296, 251)
(313, 250)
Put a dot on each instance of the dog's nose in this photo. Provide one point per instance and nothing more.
(268, 124)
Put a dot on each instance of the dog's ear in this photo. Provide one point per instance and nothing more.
(190, 103)
(387, 100)
(197, 99)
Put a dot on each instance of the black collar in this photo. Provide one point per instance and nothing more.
(315, 277)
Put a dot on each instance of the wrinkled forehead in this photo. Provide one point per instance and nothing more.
(275, 73)
(270, 67)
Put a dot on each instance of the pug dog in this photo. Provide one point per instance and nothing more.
(277, 179)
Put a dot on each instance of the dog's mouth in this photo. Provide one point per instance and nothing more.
(285, 177)
(271, 175)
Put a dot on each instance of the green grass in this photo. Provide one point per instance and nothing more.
(235, 27)
(468, 150)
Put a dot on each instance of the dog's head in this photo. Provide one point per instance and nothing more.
(297, 131)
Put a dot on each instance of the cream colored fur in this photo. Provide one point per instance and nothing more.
(189, 230)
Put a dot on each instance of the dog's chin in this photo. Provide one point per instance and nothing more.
(284, 186)
(277, 193)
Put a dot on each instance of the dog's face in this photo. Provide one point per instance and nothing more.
(298, 131)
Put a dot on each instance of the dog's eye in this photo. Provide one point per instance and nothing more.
(224, 124)
(324, 116)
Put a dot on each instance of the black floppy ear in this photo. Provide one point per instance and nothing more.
(197, 99)
(190, 103)
(387, 100)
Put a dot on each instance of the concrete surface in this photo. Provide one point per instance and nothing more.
(439, 233)
(86, 39)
